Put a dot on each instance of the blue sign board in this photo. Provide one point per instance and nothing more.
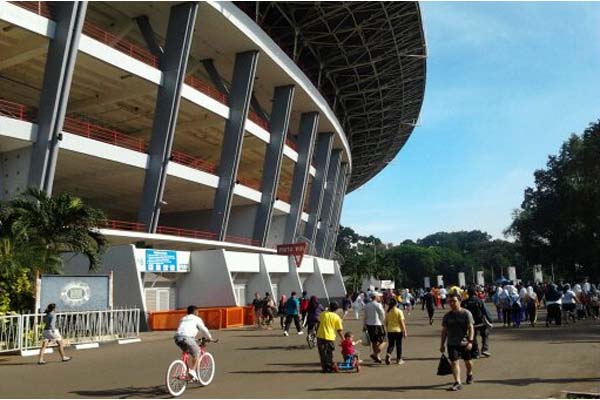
(161, 260)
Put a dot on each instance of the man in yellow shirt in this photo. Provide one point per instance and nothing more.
(330, 323)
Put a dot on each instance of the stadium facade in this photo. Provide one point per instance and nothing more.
(209, 133)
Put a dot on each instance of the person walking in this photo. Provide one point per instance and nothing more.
(292, 308)
(304, 300)
(569, 304)
(429, 303)
(443, 296)
(358, 305)
(496, 299)
(346, 305)
(553, 300)
(51, 334)
(257, 303)
(373, 323)
(281, 310)
(482, 321)
(532, 305)
(330, 324)
(458, 331)
(313, 313)
(396, 331)
(268, 310)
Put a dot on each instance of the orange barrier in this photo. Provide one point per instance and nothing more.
(214, 318)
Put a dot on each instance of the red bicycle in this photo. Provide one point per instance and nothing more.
(178, 377)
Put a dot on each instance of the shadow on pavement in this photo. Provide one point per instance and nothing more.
(309, 364)
(126, 393)
(274, 348)
(288, 371)
(533, 381)
(441, 387)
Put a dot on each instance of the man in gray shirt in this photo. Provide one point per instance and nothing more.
(458, 330)
(373, 322)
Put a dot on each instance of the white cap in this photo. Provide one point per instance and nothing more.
(376, 294)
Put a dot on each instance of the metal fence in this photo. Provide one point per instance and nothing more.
(10, 338)
(24, 332)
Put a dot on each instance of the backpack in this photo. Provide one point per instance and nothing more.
(304, 305)
(475, 307)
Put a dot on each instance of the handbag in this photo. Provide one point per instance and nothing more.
(444, 367)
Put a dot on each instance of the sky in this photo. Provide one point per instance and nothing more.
(507, 84)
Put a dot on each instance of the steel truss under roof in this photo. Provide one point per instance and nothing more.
(368, 59)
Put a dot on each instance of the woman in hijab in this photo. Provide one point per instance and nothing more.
(313, 313)
(505, 303)
(281, 310)
(532, 305)
(595, 301)
(358, 304)
(523, 301)
(497, 302)
(553, 302)
(515, 301)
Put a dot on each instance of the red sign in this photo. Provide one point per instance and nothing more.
(293, 249)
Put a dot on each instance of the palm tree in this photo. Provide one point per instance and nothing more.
(49, 226)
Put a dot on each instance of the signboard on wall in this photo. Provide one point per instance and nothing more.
(296, 250)
(159, 261)
(440, 280)
(537, 274)
(461, 279)
(426, 282)
(512, 274)
(75, 292)
(480, 278)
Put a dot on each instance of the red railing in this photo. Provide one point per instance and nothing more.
(291, 144)
(193, 162)
(250, 182)
(252, 116)
(101, 134)
(120, 44)
(241, 240)
(168, 230)
(15, 110)
(205, 88)
(38, 7)
(123, 225)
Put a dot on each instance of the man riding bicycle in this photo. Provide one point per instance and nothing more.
(185, 338)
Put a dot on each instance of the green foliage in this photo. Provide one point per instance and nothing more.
(443, 253)
(34, 231)
(558, 223)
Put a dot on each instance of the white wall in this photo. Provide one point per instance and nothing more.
(14, 172)
(315, 285)
(335, 283)
(209, 283)
(277, 230)
(241, 221)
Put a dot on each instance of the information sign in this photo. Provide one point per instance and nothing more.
(161, 260)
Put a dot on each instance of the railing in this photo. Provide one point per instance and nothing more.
(252, 116)
(242, 240)
(16, 111)
(83, 326)
(10, 333)
(205, 88)
(123, 46)
(167, 230)
(250, 182)
(193, 162)
(99, 133)
(38, 7)
(123, 225)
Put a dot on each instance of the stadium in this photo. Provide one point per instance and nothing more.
(209, 133)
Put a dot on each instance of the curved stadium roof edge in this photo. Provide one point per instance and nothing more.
(367, 60)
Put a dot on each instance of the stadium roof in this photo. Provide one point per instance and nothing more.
(368, 59)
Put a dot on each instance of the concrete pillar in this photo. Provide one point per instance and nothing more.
(331, 233)
(239, 102)
(328, 200)
(173, 64)
(58, 74)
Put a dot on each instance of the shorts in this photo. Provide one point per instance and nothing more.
(376, 333)
(188, 345)
(51, 334)
(455, 353)
(569, 307)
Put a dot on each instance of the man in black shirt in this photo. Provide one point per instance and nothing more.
(482, 320)
(429, 303)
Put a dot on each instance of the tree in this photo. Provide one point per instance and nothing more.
(34, 231)
(558, 223)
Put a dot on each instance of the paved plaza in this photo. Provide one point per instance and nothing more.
(526, 363)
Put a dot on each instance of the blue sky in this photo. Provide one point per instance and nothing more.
(507, 83)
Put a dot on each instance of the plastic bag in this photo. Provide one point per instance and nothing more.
(444, 366)
(365, 339)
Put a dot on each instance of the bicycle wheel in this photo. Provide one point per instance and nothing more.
(176, 378)
(206, 369)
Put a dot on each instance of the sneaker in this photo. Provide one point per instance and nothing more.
(456, 387)
(285, 333)
(66, 359)
(301, 333)
(41, 362)
(469, 379)
(400, 362)
(486, 353)
(193, 375)
(387, 359)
